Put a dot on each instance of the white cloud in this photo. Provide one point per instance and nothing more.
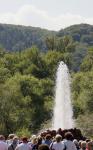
(30, 15)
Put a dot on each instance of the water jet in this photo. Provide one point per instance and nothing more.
(63, 113)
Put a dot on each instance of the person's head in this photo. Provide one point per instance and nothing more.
(89, 145)
(33, 136)
(43, 147)
(58, 138)
(48, 137)
(15, 140)
(68, 136)
(33, 139)
(25, 139)
(80, 143)
(53, 133)
(76, 142)
(11, 136)
(83, 145)
(87, 140)
(39, 140)
(2, 138)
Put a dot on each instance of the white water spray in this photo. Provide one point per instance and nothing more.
(63, 109)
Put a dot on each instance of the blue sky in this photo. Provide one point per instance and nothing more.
(49, 14)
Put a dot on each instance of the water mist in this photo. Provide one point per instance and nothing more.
(63, 113)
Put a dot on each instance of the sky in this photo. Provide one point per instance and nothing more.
(48, 14)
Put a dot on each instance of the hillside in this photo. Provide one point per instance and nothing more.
(82, 33)
(15, 38)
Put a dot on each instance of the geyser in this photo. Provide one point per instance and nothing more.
(63, 113)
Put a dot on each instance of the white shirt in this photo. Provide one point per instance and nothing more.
(70, 145)
(23, 146)
(3, 146)
(58, 146)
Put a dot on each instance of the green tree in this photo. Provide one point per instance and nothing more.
(87, 64)
(51, 43)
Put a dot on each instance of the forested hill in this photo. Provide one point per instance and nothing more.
(15, 37)
(82, 33)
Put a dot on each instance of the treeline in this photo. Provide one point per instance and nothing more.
(82, 33)
(82, 90)
(17, 38)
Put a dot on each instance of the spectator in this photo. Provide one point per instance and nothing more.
(48, 140)
(3, 145)
(14, 143)
(43, 147)
(58, 144)
(24, 145)
(69, 145)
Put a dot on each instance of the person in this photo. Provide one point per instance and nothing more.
(48, 140)
(68, 142)
(75, 141)
(24, 145)
(58, 144)
(3, 145)
(39, 142)
(89, 145)
(10, 139)
(43, 147)
(14, 143)
(83, 145)
(32, 142)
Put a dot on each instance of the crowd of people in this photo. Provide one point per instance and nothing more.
(71, 139)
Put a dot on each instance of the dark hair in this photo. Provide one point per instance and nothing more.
(25, 139)
(43, 147)
(48, 136)
(2, 137)
(39, 140)
(69, 136)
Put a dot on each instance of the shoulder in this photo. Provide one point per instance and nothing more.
(19, 145)
(3, 143)
(54, 143)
